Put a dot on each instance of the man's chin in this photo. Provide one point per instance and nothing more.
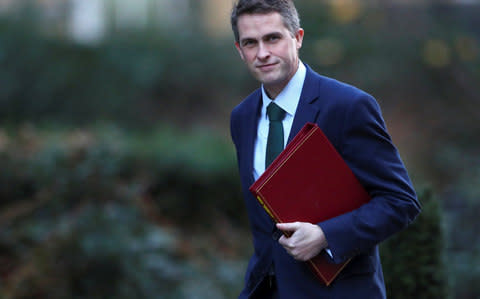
(267, 79)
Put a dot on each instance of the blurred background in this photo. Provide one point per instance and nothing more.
(117, 175)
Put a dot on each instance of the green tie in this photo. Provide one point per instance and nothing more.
(275, 132)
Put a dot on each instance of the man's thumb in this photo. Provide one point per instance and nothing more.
(289, 227)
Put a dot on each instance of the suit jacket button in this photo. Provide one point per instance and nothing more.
(277, 234)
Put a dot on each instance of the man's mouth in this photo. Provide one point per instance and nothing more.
(266, 67)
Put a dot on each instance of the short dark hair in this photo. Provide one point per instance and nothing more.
(285, 8)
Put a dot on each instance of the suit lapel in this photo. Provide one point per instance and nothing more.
(251, 124)
(306, 111)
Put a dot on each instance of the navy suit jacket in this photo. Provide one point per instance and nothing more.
(352, 121)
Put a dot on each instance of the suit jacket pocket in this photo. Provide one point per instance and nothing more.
(256, 272)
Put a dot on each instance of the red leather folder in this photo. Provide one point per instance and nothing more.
(310, 182)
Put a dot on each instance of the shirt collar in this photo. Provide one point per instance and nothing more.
(289, 97)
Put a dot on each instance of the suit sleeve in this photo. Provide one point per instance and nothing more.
(368, 150)
(234, 127)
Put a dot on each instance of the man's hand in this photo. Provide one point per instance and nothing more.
(305, 242)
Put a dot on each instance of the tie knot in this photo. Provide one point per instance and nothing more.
(274, 112)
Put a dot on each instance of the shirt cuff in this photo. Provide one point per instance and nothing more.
(329, 252)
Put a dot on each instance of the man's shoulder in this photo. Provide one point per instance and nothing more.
(248, 104)
(335, 93)
(334, 87)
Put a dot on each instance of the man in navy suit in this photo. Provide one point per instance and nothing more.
(268, 38)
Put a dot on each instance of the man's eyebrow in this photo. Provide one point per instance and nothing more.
(272, 34)
(247, 39)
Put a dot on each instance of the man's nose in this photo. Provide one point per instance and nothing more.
(263, 52)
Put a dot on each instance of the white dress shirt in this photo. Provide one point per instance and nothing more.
(287, 100)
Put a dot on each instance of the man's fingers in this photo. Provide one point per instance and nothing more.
(292, 227)
(291, 248)
(286, 242)
(289, 227)
(306, 240)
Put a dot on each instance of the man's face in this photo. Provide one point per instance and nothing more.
(269, 49)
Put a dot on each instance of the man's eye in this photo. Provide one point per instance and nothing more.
(273, 38)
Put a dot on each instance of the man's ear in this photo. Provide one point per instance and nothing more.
(299, 37)
(237, 45)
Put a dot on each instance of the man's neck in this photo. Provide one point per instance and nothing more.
(275, 89)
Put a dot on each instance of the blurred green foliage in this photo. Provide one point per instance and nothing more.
(104, 213)
(414, 260)
(134, 80)
(166, 164)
